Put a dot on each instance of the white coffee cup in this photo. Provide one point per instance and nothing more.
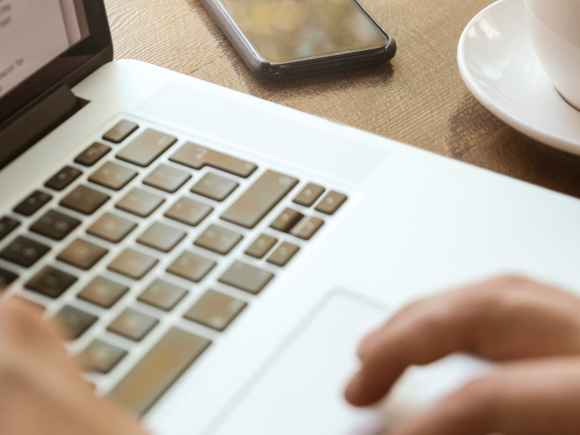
(555, 30)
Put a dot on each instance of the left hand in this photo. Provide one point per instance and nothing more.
(41, 388)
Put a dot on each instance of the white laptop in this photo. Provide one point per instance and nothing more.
(217, 257)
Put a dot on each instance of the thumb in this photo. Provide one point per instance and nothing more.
(533, 398)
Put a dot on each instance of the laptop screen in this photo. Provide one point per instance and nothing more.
(45, 44)
(33, 33)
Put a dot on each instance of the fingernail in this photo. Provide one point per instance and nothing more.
(353, 387)
(362, 349)
(371, 336)
(365, 344)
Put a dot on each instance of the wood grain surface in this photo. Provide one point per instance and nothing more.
(419, 98)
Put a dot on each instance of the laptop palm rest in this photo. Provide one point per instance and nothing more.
(300, 390)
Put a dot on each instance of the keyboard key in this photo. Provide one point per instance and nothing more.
(191, 266)
(63, 178)
(6, 278)
(82, 254)
(140, 202)
(189, 211)
(33, 203)
(261, 246)
(92, 154)
(162, 295)
(51, 282)
(215, 310)
(101, 357)
(103, 292)
(7, 225)
(307, 227)
(75, 321)
(158, 370)
(215, 187)
(133, 324)
(113, 176)
(111, 227)
(218, 239)
(197, 157)
(287, 220)
(146, 147)
(245, 277)
(331, 203)
(309, 195)
(24, 252)
(55, 225)
(162, 237)
(259, 199)
(133, 264)
(120, 132)
(84, 200)
(283, 254)
(167, 178)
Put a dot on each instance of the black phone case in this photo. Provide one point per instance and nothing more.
(281, 71)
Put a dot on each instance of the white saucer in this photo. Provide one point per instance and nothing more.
(499, 66)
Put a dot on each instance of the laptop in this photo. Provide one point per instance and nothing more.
(217, 257)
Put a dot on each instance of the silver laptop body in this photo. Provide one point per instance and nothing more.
(216, 256)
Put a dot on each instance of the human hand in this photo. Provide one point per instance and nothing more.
(534, 330)
(41, 389)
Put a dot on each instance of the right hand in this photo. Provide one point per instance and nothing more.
(41, 388)
(531, 329)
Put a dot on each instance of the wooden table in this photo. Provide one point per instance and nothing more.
(419, 98)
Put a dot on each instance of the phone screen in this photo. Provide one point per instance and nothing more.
(289, 30)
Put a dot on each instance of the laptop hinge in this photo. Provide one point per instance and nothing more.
(40, 120)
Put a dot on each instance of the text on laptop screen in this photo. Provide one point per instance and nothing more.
(33, 33)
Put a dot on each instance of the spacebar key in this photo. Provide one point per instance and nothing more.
(259, 199)
(158, 370)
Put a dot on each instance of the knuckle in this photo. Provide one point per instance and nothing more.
(511, 292)
(504, 291)
(510, 280)
(480, 394)
(434, 321)
(403, 315)
(494, 288)
(441, 313)
(408, 309)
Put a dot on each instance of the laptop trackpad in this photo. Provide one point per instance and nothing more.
(300, 390)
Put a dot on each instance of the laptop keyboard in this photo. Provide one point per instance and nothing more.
(186, 239)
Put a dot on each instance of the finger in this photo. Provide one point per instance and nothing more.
(45, 389)
(420, 334)
(53, 326)
(30, 306)
(31, 347)
(504, 318)
(469, 412)
(25, 324)
(520, 318)
(525, 399)
(18, 318)
(366, 344)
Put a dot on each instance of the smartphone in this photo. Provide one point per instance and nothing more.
(282, 39)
